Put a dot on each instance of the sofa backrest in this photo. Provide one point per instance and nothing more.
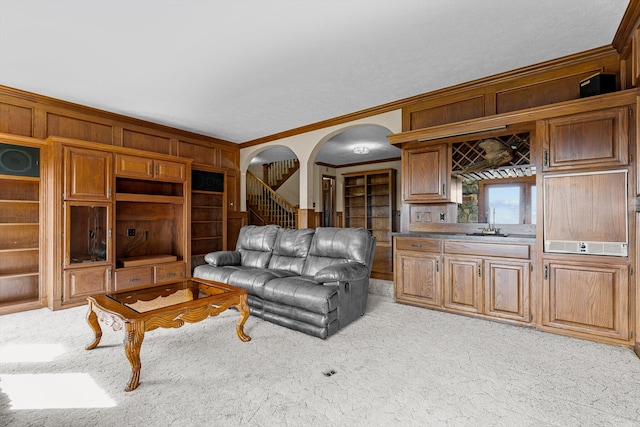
(255, 244)
(332, 245)
(291, 249)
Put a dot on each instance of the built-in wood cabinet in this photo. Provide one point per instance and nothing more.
(20, 225)
(594, 139)
(369, 201)
(493, 287)
(87, 209)
(149, 168)
(122, 225)
(506, 289)
(589, 297)
(425, 174)
(462, 276)
(417, 271)
(463, 284)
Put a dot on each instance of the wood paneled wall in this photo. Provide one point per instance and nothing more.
(27, 114)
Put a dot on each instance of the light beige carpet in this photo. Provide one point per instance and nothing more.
(397, 365)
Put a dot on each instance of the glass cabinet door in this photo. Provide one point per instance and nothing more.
(87, 233)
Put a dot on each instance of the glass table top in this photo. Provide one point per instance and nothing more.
(163, 296)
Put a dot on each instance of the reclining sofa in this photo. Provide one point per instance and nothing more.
(311, 280)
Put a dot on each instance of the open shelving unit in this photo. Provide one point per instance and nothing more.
(369, 200)
(19, 241)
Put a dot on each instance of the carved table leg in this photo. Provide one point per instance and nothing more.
(92, 319)
(134, 334)
(243, 308)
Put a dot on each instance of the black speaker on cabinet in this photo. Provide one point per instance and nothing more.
(18, 160)
(207, 181)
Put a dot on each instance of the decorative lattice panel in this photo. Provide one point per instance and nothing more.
(469, 153)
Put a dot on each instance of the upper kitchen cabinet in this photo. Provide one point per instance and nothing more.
(426, 175)
(586, 140)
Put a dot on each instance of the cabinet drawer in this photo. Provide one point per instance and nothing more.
(132, 277)
(418, 244)
(504, 250)
(166, 272)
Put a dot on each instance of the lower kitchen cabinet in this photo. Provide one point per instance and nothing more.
(492, 287)
(586, 297)
(417, 271)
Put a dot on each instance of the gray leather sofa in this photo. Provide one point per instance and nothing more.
(311, 280)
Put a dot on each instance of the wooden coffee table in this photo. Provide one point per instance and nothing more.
(166, 305)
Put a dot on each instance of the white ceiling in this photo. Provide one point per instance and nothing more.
(244, 69)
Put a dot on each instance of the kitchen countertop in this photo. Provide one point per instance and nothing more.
(486, 238)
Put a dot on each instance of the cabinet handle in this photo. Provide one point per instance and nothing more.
(134, 279)
(545, 160)
(437, 266)
(171, 274)
(546, 272)
(444, 189)
(150, 170)
(479, 271)
(416, 245)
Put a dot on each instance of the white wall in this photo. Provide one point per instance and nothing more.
(306, 146)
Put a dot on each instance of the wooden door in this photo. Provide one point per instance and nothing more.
(463, 283)
(506, 289)
(87, 174)
(417, 278)
(424, 174)
(587, 297)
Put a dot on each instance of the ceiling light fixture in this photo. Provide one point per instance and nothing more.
(361, 150)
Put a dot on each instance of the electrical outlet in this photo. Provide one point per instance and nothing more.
(131, 232)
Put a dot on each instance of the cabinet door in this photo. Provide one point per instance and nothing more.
(87, 174)
(417, 278)
(79, 283)
(463, 284)
(587, 297)
(424, 174)
(170, 171)
(87, 233)
(134, 167)
(587, 140)
(506, 290)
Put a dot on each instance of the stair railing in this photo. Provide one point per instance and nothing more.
(271, 206)
(276, 173)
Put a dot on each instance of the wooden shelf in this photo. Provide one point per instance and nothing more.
(149, 198)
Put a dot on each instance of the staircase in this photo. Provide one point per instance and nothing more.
(276, 173)
(268, 207)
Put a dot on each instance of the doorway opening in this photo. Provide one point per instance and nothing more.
(328, 201)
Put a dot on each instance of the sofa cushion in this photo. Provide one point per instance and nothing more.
(331, 245)
(291, 249)
(302, 292)
(255, 244)
(216, 274)
(254, 279)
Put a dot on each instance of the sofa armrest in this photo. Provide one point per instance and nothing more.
(222, 258)
(342, 272)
